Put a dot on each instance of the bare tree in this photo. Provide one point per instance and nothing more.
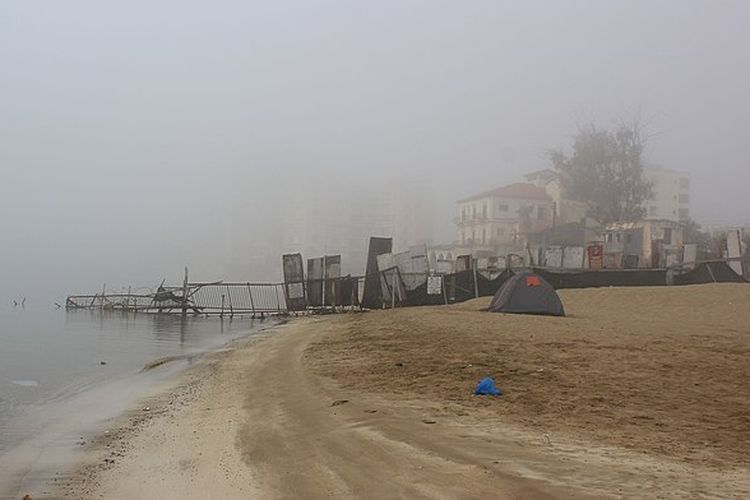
(605, 171)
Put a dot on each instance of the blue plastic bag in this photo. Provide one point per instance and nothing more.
(486, 387)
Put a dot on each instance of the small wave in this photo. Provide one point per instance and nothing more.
(26, 383)
(162, 361)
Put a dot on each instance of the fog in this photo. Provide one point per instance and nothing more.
(139, 137)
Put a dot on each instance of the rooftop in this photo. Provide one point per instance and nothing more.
(522, 190)
(546, 172)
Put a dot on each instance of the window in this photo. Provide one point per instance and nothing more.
(463, 214)
(667, 235)
(484, 235)
(473, 236)
(484, 210)
(629, 238)
(618, 237)
(608, 238)
(503, 207)
(684, 198)
(684, 213)
(684, 183)
(473, 211)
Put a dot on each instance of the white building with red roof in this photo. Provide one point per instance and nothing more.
(497, 217)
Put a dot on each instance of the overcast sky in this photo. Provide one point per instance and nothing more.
(129, 130)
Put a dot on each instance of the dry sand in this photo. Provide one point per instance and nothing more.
(637, 393)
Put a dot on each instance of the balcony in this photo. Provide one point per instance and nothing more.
(479, 219)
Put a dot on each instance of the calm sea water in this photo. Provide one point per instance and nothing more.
(61, 372)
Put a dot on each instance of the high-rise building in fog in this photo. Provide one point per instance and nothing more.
(670, 199)
(325, 217)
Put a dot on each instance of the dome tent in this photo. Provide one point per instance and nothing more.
(527, 293)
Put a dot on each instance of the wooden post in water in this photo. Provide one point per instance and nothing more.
(229, 296)
(185, 293)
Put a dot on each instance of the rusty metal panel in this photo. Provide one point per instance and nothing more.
(553, 257)
(445, 267)
(372, 296)
(315, 280)
(413, 269)
(294, 281)
(734, 250)
(332, 265)
(386, 261)
(689, 255)
(573, 257)
(596, 256)
(630, 261)
(463, 263)
(392, 287)
(347, 291)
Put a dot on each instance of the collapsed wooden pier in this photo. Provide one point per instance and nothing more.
(214, 298)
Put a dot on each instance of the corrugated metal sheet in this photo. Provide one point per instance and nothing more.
(315, 275)
(332, 264)
(294, 279)
(372, 296)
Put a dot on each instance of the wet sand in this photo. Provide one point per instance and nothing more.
(638, 393)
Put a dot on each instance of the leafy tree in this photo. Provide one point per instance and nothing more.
(605, 171)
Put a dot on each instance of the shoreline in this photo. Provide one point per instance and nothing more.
(216, 434)
(378, 404)
(171, 408)
(35, 464)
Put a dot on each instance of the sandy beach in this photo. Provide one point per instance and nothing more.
(637, 393)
